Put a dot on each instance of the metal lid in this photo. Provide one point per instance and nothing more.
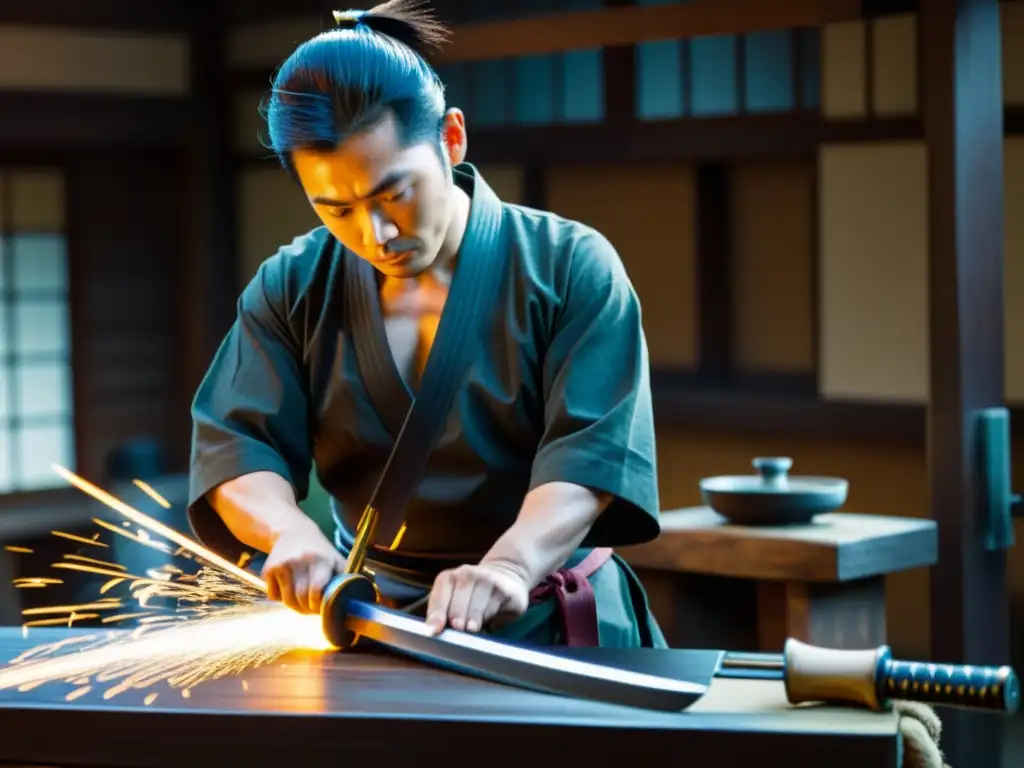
(772, 478)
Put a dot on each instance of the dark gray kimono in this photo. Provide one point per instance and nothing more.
(558, 390)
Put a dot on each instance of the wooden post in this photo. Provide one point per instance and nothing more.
(211, 257)
(963, 116)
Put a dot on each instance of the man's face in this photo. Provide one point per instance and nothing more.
(389, 205)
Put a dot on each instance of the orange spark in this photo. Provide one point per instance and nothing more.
(150, 491)
(79, 539)
(160, 529)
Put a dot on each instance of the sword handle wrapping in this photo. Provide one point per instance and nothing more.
(995, 689)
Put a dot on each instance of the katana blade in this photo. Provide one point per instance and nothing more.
(482, 657)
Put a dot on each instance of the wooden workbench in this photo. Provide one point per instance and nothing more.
(318, 709)
(713, 584)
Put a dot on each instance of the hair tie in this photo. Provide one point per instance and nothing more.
(350, 19)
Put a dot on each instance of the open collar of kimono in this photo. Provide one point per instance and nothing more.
(471, 296)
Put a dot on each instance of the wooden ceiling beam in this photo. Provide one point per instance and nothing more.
(148, 16)
(628, 25)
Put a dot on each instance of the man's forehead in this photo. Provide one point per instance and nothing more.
(347, 174)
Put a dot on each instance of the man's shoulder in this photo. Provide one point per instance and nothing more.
(285, 277)
(562, 246)
(297, 260)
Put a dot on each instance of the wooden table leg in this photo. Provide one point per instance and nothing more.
(847, 615)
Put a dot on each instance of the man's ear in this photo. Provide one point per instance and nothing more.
(453, 134)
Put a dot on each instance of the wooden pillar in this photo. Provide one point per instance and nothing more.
(714, 274)
(211, 255)
(620, 79)
(963, 116)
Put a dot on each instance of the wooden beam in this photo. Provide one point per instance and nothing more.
(149, 16)
(963, 118)
(706, 139)
(64, 121)
(710, 139)
(628, 25)
(686, 400)
(714, 271)
(211, 260)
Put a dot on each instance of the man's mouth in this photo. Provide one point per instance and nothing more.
(396, 251)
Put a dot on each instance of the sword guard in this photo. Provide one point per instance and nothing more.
(339, 592)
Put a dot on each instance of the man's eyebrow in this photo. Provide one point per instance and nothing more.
(389, 181)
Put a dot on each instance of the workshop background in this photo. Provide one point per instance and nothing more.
(767, 193)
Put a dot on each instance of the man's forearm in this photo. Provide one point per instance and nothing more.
(553, 521)
(257, 508)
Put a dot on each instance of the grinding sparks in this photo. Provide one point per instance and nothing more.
(155, 526)
(225, 642)
(189, 628)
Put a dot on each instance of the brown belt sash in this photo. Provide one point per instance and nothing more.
(577, 603)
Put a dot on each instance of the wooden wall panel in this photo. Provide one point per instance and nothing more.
(873, 272)
(55, 59)
(1012, 22)
(773, 266)
(129, 294)
(37, 201)
(250, 129)
(647, 211)
(844, 71)
(272, 212)
(507, 181)
(264, 45)
(1013, 259)
(894, 78)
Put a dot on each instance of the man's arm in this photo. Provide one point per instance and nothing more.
(540, 541)
(257, 508)
(251, 446)
(596, 463)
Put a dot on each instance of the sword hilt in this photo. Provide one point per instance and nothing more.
(872, 679)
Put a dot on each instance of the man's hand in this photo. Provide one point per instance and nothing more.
(468, 597)
(299, 565)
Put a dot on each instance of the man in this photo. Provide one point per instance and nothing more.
(548, 454)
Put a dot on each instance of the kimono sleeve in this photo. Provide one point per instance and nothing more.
(599, 420)
(250, 413)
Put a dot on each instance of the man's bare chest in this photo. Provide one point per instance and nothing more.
(411, 320)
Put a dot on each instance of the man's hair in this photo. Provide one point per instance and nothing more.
(346, 80)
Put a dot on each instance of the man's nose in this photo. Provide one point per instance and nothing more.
(378, 229)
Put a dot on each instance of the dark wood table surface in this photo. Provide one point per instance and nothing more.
(325, 708)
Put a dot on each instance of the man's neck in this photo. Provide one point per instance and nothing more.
(445, 261)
